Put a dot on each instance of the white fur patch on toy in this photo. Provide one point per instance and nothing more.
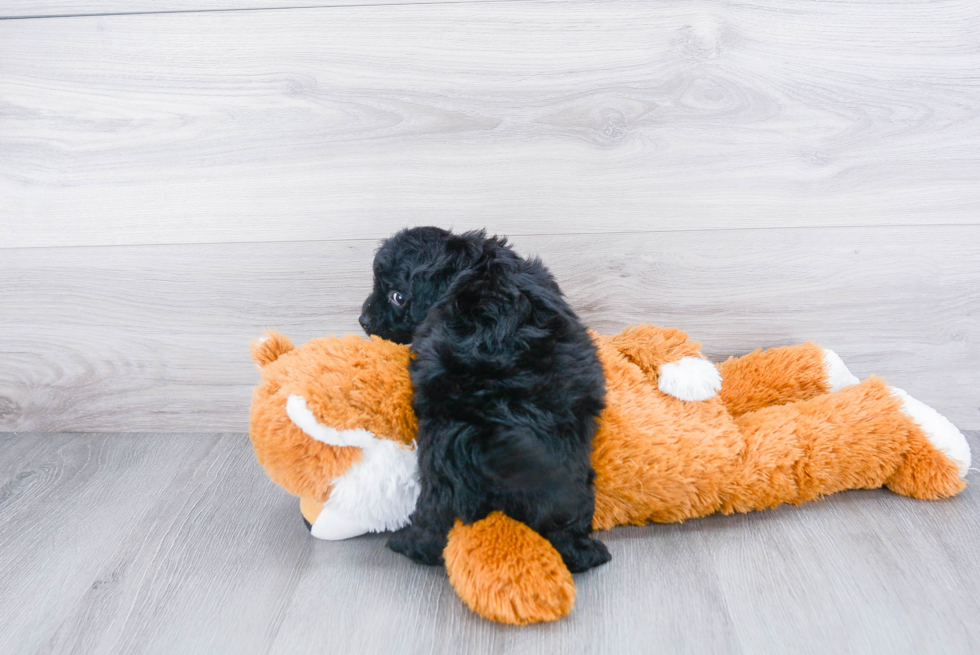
(941, 432)
(300, 414)
(690, 378)
(838, 376)
(375, 494)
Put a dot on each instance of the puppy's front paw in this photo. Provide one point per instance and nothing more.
(422, 546)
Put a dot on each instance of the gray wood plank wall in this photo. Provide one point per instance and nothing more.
(75, 8)
(756, 173)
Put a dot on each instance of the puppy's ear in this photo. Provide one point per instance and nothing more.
(430, 281)
(468, 247)
(428, 284)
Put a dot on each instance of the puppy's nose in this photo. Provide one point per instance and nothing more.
(364, 321)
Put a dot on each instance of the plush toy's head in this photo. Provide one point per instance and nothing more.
(332, 423)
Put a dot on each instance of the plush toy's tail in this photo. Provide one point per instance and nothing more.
(505, 571)
(269, 347)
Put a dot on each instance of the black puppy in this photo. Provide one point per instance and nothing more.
(507, 384)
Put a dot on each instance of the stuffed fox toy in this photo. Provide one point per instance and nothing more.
(680, 438)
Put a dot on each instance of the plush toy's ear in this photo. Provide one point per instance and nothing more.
(505, 571)
(269, 347)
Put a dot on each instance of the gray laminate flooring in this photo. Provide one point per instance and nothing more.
(177, 543)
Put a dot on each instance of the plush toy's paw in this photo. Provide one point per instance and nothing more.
(422, 546)
(335, 525)
(689, 378)
(837, 375)
(580, 553)
(505, 571)
(327, 521)
(938, 429)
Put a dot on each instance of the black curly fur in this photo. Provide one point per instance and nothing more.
(507, 383)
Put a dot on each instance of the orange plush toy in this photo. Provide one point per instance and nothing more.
(680, 438)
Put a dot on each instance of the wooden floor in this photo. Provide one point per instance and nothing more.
(177, 543)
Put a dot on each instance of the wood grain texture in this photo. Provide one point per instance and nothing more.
(75, 8)
(105, 531)
(155, 337)
(156, 543)
(525, 117)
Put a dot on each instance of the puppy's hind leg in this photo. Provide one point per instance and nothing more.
(424, 539)
(553, 498)
(568, 529)
(564, 517)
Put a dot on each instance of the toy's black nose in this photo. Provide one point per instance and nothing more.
(364, 321)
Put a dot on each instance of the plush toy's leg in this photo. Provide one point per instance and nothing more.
(505, 571)
(857, 438)
(781, 375)
(928, 458)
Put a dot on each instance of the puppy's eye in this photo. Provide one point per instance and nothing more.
(396, 299)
